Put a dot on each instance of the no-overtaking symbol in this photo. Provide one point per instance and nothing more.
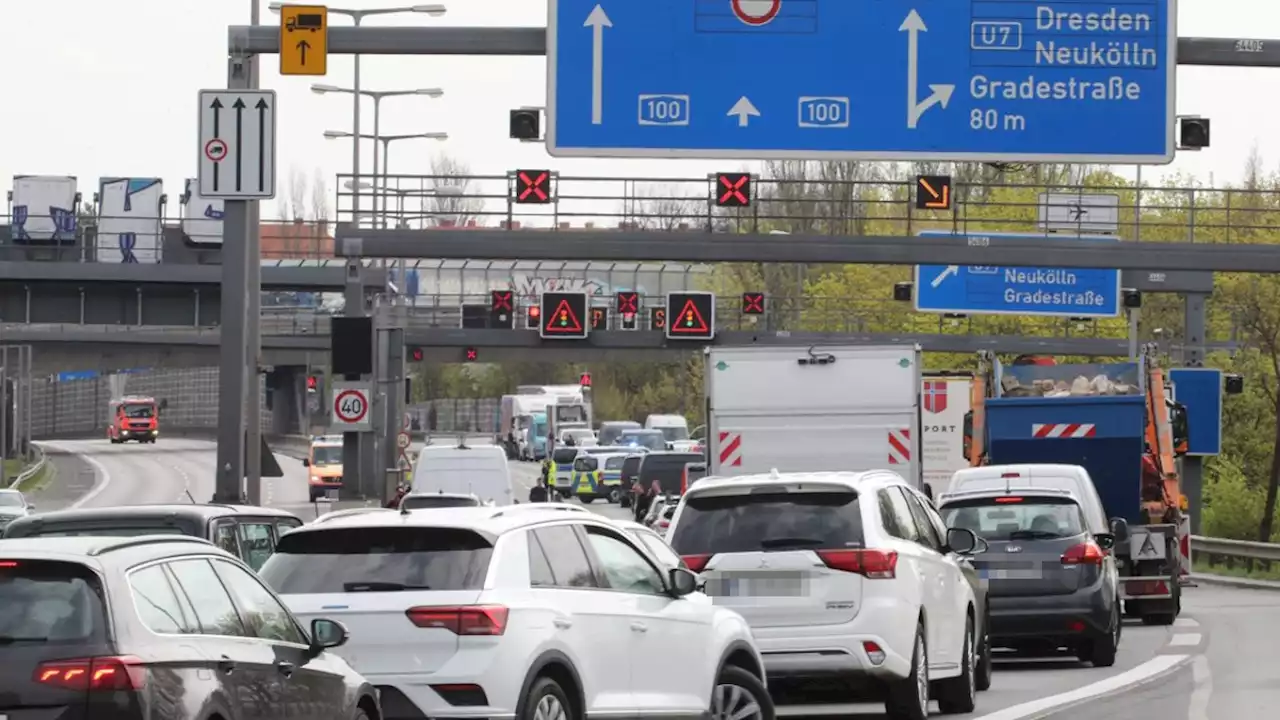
(351, 406)
(402, 440)
(215, 150)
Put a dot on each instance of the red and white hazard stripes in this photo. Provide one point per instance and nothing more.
(900, 447)
(1063, 430)
(730, 449)
(1184, 550)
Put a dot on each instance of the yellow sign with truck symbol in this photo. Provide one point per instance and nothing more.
(304, 40)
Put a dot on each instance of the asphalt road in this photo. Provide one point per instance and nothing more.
(1217, 663)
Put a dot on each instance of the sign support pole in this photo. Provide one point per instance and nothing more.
(355, 445)
(232, 374)
(1193, 357)
(253, 248)
(391, 382)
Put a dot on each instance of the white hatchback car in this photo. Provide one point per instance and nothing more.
(844, 576)
(537, 610)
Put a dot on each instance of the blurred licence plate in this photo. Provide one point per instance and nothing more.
(998, 574)
(761, 585)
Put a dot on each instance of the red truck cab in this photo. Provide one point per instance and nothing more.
(133, 418)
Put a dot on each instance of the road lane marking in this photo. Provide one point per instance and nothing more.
(99, 470)
(1145, 672)
(1202, 689)
(1185, 639)
(1185, 623)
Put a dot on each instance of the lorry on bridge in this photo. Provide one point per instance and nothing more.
(1119, 423)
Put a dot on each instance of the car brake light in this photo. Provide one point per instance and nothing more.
(1003, 500)
(875, 653)
(100, 673)
(8, 564)
(1009, 475)
(1086, 553)
(696, 563)
(464, 620)
(872, 564)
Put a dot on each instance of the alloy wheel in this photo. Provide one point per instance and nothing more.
(734, 702)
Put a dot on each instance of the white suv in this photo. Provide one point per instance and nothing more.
(843, 576)
(518, 612)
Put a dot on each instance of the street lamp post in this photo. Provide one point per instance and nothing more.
(377, 96)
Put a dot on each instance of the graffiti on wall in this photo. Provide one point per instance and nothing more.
(129, 220)
(44, 210)
(529, 286)
(201, 218)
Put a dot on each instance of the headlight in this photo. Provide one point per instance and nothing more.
(315, 478)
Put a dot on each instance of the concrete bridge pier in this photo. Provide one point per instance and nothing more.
(287, 400)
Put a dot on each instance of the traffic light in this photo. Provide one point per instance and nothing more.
(691, 315)
(752, 303)
(658, 319)
(472, 355)
(599, 318)
(533, 187)
(416, 354)
(502, 309)
(627, 304)
(532, 317)
(313, 382)
(585, 380)
(564, 315)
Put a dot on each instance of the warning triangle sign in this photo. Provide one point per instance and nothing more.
(564, 320)
(690, 320)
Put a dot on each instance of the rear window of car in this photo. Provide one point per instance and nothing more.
(378, 559)
(667, 469)
(774, 520)
(1016, 518)
(563, 455)
(421, 502)
(50, 603)
(652, 439)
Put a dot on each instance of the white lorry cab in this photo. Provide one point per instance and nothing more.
(832, 408)
(479, 470)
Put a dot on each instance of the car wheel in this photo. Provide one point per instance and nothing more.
(982, 672)
(1102, 650)
(625, 501)
(959, 694)
(739, 695)
(909, 697)
(615, 496)
(546, 701)
(586, 499)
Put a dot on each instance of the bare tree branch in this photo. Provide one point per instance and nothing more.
(451, 198)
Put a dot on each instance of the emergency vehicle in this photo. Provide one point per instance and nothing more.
(133, 417)
(324, 465)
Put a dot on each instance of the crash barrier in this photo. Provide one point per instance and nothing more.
(32, 470)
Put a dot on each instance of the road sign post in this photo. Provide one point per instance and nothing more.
(304, 40)
(991, 290)
(958, 81)
(352, 406)
(237, 158)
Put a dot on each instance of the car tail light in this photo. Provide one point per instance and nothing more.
(875, 653)
(1086, 553)
(873, 564)
(100, 673)
(1006, 500)
(464, 620)
(696, 563)
(8, 564)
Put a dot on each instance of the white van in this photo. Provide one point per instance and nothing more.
(675, 429)
(1070, 479)
(479, 470)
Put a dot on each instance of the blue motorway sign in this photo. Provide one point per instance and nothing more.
(1200, 390)
(990, 290)
(1032, 80)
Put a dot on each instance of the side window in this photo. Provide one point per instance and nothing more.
(257, 543)
(540, 574)
(157, 601)
(568, 560)
(928, 533)
(889, 516)
(659, 548)
(901, 514)
(213, 607)
(284, 526)
(265, 617)
(625, 569)
(224, 536)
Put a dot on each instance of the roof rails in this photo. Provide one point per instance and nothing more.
(142, 540)
(546, 507)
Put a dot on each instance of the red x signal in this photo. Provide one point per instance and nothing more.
(533, 187)
(472, 355)
(733, 190)
(753, 303)
(503, 301)
(628, 303)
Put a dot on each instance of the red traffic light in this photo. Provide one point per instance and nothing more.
(313, 382)
(472, 355)
(585, 380)
(416, 354)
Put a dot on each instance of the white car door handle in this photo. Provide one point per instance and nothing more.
(638, 626)
(563, 623)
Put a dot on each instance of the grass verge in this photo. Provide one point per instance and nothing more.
(1261, 570)
(33, 483)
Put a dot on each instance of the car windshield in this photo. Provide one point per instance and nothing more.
(651, 439)
(47, 603)
(609, 434)
(378, 559)
(139, 411)
(11, 499)
(326, 455)
(760, 520)
(674, 432)
(1016, 518)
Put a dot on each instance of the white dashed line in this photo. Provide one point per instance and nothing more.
(1186, 623)
(1185, 640)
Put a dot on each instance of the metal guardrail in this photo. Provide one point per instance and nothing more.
(1235, 549)
(33, 470)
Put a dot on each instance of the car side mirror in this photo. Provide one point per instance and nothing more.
(1119, 530)
(31, 506)
(928, 491)
(327, 634)
(306, 462)
(682, 581)
(1106, 541)
(962, 541)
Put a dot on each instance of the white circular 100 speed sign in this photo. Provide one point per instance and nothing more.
(350, 406)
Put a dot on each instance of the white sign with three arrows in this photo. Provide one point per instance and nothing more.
(237, 147)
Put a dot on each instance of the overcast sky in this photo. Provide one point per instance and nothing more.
(109, 89)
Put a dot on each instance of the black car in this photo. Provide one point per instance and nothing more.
(630, 474)
(667, 469)
(250, 533)
(160, 627)
(1050, 583)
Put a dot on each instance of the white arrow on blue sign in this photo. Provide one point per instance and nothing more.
(990, 290)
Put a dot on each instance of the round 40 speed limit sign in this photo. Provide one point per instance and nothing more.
(351, 407)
